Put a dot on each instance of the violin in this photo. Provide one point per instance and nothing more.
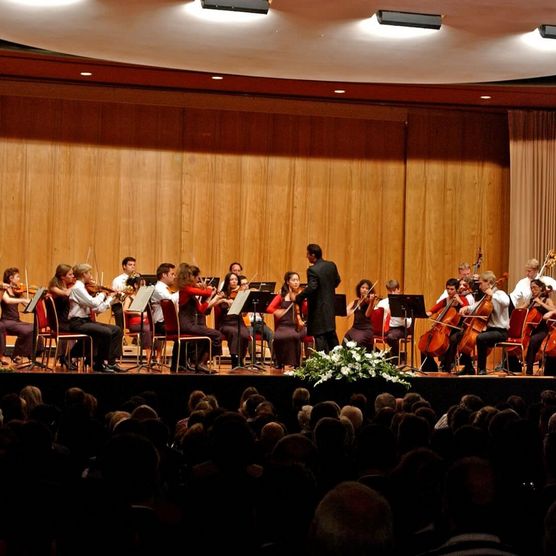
(24, 290)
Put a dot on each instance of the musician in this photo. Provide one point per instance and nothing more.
(550, 362)
(289, 328)
(10, 323)
(133, 320)
(398, 326)
(107, 338)
(322, 280)
(464, 271)
(498, 321)
(119, 285)
(165, 278)
(521, 295)
(457, 301)
(59, 288)
(194, 300)
(362, 331)
(231, 326)
(541, 302)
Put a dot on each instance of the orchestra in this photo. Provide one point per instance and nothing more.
(468, 319)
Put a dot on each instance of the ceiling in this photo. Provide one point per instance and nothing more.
(308, 47)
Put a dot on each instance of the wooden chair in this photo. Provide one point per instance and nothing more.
(379, 324)
(57, 336)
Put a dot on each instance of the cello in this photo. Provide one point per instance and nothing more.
(436, 341)
(478, 320)
(548, 347)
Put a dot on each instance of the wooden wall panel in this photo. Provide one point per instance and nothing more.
(385, 199)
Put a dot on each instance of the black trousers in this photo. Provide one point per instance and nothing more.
(107, 338)
(325, 342)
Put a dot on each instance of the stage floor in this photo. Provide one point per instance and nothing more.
(112, 390)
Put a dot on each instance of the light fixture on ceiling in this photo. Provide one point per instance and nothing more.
(217, 77)
(409, 19)
(548, 31)
(252, 6)
(339, 91)
(86, 73)
(486, 97)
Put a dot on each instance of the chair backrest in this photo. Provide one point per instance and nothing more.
(42, 318)
(517, 323)
(51, 314)
(377, 321)
(171, 323)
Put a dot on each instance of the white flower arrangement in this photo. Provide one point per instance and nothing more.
(352, 363)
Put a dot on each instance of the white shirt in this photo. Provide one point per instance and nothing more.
(82, 302)
(522, 291)
(118, 283)
(499, 318)
(395, 322)
(161, 291)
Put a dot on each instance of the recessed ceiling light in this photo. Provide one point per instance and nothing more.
(253, 6)
(217, 77)
(548, 31)
(86, 73)
(339, 91)
(486, 97)
(409, 19)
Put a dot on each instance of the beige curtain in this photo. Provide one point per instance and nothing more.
(532, 188)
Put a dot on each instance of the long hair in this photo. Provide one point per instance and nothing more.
(187, 275)
(61, 271)
(360, 283)
(285, 288)
(226, 285)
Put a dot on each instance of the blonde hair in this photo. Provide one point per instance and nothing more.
(80, 269)
(488, 276)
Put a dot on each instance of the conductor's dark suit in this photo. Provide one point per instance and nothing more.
(322, 280)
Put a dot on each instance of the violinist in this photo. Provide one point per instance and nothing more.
(119, 285)
(497, 323)
(165, 279)
(398, 326)
(107, 338)
(289, 328)
(450, 327)
(59, 288)
(255, 322)
(133, 319)
(362, 331)
(10, 323)
(231, 326)
(194, 301)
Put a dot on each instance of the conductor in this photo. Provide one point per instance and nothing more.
(322, 280)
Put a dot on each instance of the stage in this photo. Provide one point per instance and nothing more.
(227, 385)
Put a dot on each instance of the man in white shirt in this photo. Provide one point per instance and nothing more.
(166, 276)
(107, 338)
(119, 285)
(398, 328)
(498, 321)
(521, 295)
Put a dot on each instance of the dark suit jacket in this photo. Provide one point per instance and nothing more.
(322, 280)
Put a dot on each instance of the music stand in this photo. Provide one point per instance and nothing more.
(139, 305)
(256, 302)
(149, 279)
(211, 281)
(340, 307)
(30, 308)
(408, 306)
(263, 286)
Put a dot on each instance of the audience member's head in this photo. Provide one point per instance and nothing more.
(354, 414)
(351, 520)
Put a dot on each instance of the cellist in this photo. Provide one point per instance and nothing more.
(457, 301)
(498, 321)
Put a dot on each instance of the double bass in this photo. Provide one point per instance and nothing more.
(548, 347)
(436, 341)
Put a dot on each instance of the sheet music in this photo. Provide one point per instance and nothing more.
(239, 302)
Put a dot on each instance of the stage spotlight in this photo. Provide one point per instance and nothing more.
(409, 19)
(252, 6)
(548, 31)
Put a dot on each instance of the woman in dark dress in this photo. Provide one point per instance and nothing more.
(232, 327)
(289, 328)
(361, 308)
(194, 302)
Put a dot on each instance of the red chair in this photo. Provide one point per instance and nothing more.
(57, 336)
(379, 324)
(173, 333)
(514, 343)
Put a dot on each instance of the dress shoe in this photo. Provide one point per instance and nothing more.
(482, 372)
(202, 369)
(116, 368)
(104, 369)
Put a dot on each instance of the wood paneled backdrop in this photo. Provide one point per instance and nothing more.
(406, 199)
